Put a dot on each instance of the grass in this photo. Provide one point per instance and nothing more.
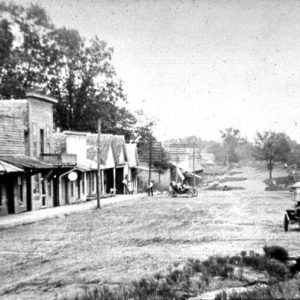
(129, 241)
(182, 281)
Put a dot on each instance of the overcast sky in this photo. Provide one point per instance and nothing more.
(200, 66)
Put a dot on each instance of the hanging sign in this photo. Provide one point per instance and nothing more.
(72, 176)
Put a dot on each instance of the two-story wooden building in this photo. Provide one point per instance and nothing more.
(26, 128)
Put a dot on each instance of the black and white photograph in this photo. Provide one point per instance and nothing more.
(149, 149)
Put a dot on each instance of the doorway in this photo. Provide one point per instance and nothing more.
(28, 194)
(10, 195)
(119, 179)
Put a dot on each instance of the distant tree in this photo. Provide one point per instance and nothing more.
(231, 139)
(218, 152)
(272, 148)
(143, 132)
(163, 164)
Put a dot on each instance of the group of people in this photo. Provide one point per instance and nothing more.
(128, 185)
(179, 186)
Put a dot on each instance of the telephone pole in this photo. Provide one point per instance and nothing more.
(194, 165)
(99, 181)
(150, 158)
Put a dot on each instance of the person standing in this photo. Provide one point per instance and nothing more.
(150, 188)
(125, 183)
(130, 187)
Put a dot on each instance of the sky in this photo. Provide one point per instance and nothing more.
(198, 67)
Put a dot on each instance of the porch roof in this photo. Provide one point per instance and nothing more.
(6, 168)
(25, 162)
(86, 165)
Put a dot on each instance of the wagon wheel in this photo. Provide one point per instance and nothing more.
(190, 194)
(195, 192)
(285, 223)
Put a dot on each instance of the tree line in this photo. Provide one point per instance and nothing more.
(78, 72)
(268, 147)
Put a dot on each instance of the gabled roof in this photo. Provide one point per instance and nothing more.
(105, 144)
(118, 143)
(132, 155)
(86, 165)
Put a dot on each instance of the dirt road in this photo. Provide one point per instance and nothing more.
(127, 240)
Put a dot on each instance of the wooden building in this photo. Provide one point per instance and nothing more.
(26, 127)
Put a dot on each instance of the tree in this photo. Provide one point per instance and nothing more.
(143, 132)
(231, 140)
(272, 148)
(38, 56)
(25, 51)
(162, 164)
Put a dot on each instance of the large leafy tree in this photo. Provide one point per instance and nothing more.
(272, 147)
(34, 55)
(25, 52)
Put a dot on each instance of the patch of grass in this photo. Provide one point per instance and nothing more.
(182, 281)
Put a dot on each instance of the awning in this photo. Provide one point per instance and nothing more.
(25, 162)
(192, 174)
(6, 168)
(85, 165)
(296, 185)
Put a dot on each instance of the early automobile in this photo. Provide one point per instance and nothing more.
(181, 189)
(292, 216)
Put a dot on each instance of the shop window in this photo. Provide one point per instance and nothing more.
(35, 184)
(42, 141)
(49, 183)
(20, 189)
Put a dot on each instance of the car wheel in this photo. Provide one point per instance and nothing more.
(189, 194)
(195, 192)
(285, 223)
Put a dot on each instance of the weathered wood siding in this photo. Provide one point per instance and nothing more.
(40, 117)
(13, 124)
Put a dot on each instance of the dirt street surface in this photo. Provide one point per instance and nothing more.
(54, 258)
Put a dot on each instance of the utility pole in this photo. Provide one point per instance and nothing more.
(194, 165)
(99, 180)
(150, 158)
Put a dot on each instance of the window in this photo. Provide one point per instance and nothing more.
(49, 183)
(42, 141)
(34, 138)
(20, 189)
(35, 184)
(34, 130)
(47, 133)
